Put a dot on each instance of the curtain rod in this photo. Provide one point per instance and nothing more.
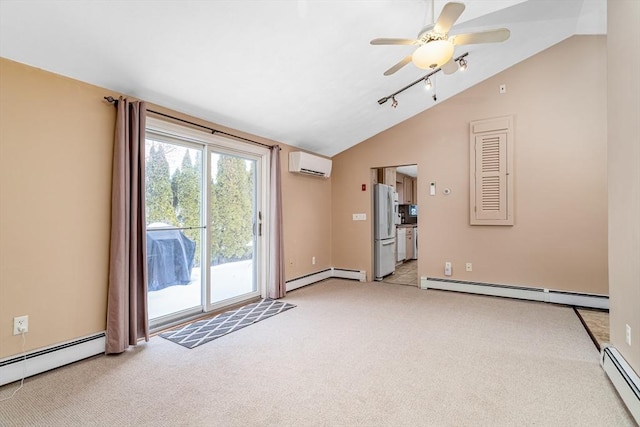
(114, 101)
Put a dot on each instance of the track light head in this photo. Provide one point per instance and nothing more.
(429, 85)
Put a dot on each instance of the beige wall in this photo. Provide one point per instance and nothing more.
(623, 47)
(558, 99)
(56, 137)
(55, 188)
(307, 214)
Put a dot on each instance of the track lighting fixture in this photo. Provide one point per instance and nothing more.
(463, 64)
(426, 79)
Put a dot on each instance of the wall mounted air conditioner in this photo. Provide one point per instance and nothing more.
(309, 164)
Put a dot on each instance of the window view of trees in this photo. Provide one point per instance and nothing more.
(173, 198)
(159, 195)
(231, 204)
(185, 184)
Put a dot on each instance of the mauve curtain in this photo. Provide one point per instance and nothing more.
(276, 286)
(127, 298)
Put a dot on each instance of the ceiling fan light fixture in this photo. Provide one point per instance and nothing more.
(432, 54)
(427, 84)
(463, 64)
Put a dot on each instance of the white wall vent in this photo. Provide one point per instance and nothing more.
(309, 164)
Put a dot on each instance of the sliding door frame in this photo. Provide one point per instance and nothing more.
(211, 143)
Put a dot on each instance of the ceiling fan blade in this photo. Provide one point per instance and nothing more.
(399, 65)
(450, 13)
(450, 67)
(491, 36)
(394, 41)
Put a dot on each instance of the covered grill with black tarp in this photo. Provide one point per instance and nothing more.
(169, 258)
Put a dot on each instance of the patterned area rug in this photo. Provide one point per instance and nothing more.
(203, 331)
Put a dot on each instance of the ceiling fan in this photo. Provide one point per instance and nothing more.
(436, 46)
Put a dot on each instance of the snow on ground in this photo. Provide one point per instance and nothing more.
(227, 281)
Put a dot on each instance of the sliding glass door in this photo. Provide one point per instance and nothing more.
(173, 196)
(234, 225)
(204, 209)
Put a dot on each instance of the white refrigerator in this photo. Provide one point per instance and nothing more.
(384, 230)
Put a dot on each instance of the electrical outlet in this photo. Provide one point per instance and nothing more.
(628, 334)
(447, 268)
(20, 325)
(359, 217)
(313, 260)
(469, 266)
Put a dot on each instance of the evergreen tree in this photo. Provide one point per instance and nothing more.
(158, 192)
(215, 227)
(232, 215)
(186, 187)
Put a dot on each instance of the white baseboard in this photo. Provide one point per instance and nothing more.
(518, 292)
(341, 273)
(15, 368)
(623, 378)
(577, 299)
(308, 279)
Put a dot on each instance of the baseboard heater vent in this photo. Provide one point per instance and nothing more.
(14, 368)
(623, 378)
(519, 292)
(340, 273)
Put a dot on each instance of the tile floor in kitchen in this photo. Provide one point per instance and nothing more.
(405, 274)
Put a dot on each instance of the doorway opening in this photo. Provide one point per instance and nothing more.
(395, 224)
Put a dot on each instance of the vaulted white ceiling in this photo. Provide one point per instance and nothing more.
(299, 72)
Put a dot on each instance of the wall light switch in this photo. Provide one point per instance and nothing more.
(432, 189)
(503, 88)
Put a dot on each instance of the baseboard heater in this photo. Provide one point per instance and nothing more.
(15, 368)
(340, 273)
(623, 378)
(519, 292)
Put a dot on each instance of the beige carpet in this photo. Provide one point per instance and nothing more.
(350, 354)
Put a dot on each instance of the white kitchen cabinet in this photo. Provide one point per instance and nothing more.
(401, 243)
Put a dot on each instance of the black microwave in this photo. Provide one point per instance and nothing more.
(408, 214)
